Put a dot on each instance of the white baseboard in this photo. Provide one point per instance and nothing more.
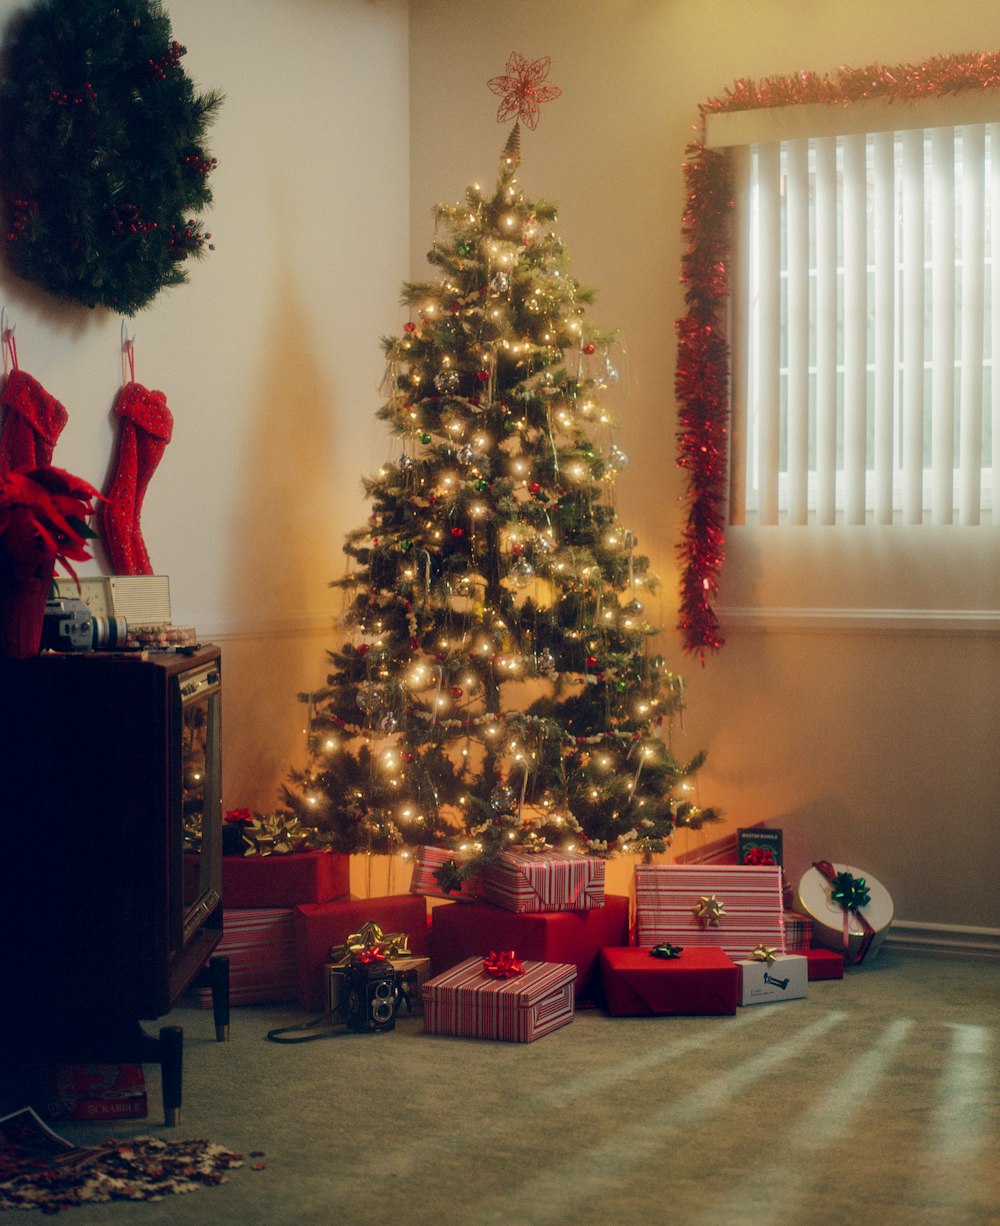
(955, 940)
(863, 621)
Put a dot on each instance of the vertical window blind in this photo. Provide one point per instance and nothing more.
(866, 347)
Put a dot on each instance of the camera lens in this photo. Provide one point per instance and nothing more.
(382, 1011)
(383, 990)
(109, 632)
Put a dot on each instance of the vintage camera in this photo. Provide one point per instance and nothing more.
(371, 995)
(68, 625)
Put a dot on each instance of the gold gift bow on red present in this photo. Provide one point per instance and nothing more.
(371, 936)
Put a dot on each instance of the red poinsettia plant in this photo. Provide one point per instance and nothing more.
(43, 520)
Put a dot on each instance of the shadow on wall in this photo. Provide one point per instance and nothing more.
(278, 544)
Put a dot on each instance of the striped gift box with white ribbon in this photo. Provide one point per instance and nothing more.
(544, 881)
(465, 1001)
(668, 898)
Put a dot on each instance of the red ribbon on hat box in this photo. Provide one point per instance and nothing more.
(831, 874)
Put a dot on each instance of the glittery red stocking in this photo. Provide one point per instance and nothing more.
(146, 427)
(32, 420)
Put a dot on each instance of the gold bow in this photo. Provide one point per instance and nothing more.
(710, 910)
(392, 944)
(276, 834)
(765, 953)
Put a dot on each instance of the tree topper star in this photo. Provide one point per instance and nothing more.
(522, 90)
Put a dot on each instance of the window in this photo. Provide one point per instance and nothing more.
(864, 387)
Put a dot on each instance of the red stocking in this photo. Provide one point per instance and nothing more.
(146, 428)
(32, 421)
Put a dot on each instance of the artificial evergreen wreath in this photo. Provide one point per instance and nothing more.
(102, 162)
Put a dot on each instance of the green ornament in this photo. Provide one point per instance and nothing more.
(425, 438)
(482, 485)
(465, 249)
(406, 545)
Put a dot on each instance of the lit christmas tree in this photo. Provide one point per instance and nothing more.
(497, 688)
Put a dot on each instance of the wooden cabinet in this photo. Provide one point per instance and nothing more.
(110, 841)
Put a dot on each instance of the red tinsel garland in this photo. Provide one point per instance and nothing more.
(702, 376)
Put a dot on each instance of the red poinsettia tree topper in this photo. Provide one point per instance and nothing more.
(522, 88)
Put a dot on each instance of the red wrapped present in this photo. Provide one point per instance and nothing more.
(284, 881)
(798, 932)
(320, 927)
(766, 980)
(472, 930)
(260, 945)
(428, 862)
(824, 964)
(528, 882)
(470, 1002)
(97, 1092)
(703, 982)
(733, 908)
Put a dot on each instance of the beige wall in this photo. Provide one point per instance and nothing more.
(269, 356)
(346, 121)
(872, 740)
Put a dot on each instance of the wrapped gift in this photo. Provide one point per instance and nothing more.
(824, 963)
(97, 1092)
(702, 982)
(260, 945)
(413, 973)
(473, 929)
(758, 845)
(528, 882)
(469, 1002)
(284, 881)
(433, 868)
(773, 977)
(850, 910)
(320, 927)
(798, 932)
(731, 907)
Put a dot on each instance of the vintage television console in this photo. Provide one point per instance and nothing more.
(110, 854)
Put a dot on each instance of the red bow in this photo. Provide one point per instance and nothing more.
(362, 957)
(503, 965)
(758, 855)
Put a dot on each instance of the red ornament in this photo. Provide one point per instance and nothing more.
(591, 661)
(458, 532)
(483, 375)
(456, 692)
(409, 327)
(589, 348)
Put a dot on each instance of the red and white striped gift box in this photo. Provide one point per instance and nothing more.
(426, 862)
(547, 881)
(465, 1001)
(260, 945)
(798, 932)
(669, 896)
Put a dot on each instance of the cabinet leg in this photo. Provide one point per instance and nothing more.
(218, 967)
(171, 1072)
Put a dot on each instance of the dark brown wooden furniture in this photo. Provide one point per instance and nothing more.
(110, 905)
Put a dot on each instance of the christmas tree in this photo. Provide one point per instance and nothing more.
(497, 688)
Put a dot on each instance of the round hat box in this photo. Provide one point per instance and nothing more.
(814, 898)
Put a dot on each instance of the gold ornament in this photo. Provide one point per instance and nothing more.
(710, 910)
(765, 953)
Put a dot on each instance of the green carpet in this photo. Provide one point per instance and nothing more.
(874, 1101)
